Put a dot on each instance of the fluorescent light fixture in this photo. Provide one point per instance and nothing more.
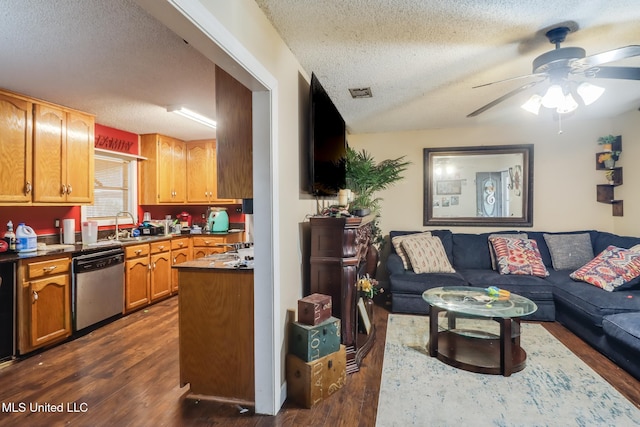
(533, 104)
(589, 93)
(185, 112)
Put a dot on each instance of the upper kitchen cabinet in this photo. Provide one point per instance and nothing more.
(46, 153)
(163, 174)
(16, 135)
(234, 138)
(63, 156)
(202, 173)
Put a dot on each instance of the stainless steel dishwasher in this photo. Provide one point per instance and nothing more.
(98, 287)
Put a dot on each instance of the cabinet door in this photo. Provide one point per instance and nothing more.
(165, 169)
(160, 275)
(136, 282)
(199, 165)
(50, 310)
(16, 135)
(179, 172)
(48, 153)
(178, 257)
(79, 164)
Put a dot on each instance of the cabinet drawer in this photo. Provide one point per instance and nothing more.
(136, 251)
(47, 268)
(180, 243)
(163, 246)
(207, 241)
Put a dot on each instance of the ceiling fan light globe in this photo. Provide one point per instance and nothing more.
(589, 93)
(567, 105)
(533, 104)
(554, 97)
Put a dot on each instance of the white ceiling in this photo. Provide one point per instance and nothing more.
(420, 58)
(106, 57)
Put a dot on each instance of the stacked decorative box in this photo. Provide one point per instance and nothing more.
(316, 363)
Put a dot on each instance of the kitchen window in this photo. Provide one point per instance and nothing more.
(114, 190)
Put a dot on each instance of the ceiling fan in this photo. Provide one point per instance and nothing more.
(559, 65)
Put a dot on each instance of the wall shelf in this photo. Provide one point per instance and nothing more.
(605, 192)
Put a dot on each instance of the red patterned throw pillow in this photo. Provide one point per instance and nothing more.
(518, 256)
(611, 269)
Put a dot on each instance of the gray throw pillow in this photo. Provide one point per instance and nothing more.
(569, 251)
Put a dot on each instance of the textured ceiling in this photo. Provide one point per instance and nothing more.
(106, 57)
(422, 57)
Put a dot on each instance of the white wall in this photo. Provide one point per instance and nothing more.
(628, 126)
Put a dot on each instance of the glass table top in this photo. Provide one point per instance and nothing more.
(478, 302)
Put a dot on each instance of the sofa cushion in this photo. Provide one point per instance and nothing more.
(612, 268)
(518, 256)
(604, 240)
(444, 235)
(471, 251)
(427, 254)
(586, 301)
(624, 328)
(492, 253)
(569, 251)
(411, 283)
(538, 236)
(396, 241)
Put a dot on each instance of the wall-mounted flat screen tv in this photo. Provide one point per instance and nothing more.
(327, 143)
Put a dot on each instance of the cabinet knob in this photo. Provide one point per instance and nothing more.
(138, 252)
(35, 296)
(27, 187)
(63, 189)
(49, 269)
(69, 189)
(175, 260)
(160, 247)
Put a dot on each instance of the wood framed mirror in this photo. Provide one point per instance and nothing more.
(479, 186)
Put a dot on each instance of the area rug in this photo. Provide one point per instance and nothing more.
(555, 388)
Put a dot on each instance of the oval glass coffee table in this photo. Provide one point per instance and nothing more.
(467, 340)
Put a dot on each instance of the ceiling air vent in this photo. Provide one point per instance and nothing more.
(363, 92)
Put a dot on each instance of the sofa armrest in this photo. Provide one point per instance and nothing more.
(395, 265)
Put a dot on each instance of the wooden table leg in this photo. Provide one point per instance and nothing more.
(506, 356)
(433, 330)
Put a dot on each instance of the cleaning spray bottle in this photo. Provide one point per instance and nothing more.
(10, 237)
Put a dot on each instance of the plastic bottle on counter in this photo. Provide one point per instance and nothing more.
(10, 237)
(26, 238)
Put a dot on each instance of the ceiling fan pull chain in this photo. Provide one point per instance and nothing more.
(559, 124)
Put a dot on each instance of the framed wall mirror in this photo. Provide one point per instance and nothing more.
(483, 186)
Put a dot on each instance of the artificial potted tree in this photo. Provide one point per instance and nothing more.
(365, 178)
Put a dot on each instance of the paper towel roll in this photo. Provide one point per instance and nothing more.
(69, 229)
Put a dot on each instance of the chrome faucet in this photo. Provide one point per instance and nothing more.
(120, 214)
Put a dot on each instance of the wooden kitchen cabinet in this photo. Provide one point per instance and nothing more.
(211, 244)
(163, 173)
(234, 139)
(16, 141)
(202, 186)
(62, 155)
(136, 277)
(180, 252)
(160, 272)
(44, 302)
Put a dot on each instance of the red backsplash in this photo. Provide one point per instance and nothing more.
(40, 218)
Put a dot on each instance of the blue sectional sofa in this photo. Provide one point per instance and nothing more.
(609, 321)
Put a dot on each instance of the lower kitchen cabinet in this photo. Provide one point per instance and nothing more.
(180, 252)
(136, 277)
(160, 272)
(44, 302)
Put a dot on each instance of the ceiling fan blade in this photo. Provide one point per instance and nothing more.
(503, 97)
(511, 79)
(625, 73)
(605, 57)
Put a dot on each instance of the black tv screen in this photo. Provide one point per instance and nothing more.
(328, 143)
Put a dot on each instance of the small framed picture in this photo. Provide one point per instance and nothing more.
(364, 317)
(449, 186)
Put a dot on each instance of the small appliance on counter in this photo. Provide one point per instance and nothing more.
(217, 220)
(185, 219)
(150, 229)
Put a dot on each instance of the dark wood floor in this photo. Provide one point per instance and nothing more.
(126, 373)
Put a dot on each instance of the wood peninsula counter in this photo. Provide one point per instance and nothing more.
(216, 331)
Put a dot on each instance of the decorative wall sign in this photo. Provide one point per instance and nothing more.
(449, 186)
